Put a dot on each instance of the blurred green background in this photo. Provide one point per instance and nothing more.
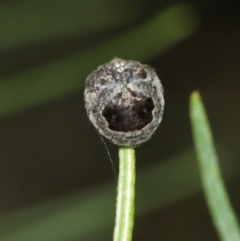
(56, 180)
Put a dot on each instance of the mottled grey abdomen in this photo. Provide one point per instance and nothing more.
(124, 101)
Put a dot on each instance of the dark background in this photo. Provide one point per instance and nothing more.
(50, 150)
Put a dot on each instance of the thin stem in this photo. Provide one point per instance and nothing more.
(223, 216)
(125, 197)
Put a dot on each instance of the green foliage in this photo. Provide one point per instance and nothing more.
(218, 202)
(65, 76)
(75, 216)
(24, 22)
(90, 214)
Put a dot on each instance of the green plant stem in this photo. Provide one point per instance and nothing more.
(125, 197)
(223, 216)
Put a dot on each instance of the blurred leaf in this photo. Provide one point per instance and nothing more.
(24, 22)
(218, 202)
(91, 213)
(63, 77)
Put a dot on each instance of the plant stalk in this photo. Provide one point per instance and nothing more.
(125, 195)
